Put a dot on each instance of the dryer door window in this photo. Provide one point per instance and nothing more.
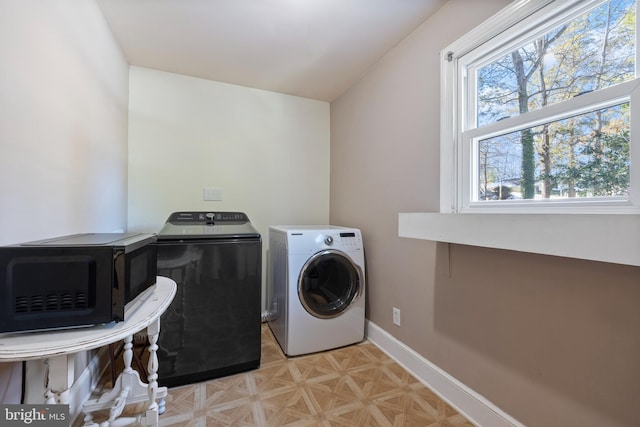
(329, 283)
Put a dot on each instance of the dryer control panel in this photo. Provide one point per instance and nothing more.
(343, 240)
(311, 239)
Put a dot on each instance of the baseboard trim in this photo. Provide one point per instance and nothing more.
(463, 399)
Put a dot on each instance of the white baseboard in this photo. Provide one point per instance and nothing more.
(463, 399)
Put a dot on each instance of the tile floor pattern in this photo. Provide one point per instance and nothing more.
(352, 386)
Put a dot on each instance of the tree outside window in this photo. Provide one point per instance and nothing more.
(578, 154)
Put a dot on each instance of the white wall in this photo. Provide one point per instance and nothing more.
(63, 125)
(268, 152)
(63, 101)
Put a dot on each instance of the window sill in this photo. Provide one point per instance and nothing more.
(596, 237)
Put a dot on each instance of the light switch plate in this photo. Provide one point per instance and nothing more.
(212, 194)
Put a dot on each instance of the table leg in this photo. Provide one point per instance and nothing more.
(128, 388)
(153, 331)
(59, 378)
(127, 355)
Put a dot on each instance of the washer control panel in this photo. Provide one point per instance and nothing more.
(197, 218)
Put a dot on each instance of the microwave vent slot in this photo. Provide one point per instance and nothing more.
(63, 301)
(21, 305)
(66, 302)
(52, 302)
(36, 303)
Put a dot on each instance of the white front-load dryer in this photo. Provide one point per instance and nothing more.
(315, 287)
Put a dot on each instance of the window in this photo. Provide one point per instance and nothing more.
(537, 111)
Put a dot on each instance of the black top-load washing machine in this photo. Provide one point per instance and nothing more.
(212, 328)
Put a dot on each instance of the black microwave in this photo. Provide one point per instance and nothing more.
(76, 280)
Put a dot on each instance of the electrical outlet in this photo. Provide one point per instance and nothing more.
(396, 316)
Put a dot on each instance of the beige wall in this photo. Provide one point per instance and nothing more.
(63, 125)
(268, 152)
(551, 341)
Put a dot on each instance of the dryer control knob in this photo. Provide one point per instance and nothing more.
(328, 240)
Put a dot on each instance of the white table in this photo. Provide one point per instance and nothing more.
(56, 345)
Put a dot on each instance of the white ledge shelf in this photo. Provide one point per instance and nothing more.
(596, 237)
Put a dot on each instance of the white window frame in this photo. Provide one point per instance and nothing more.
(533, 18)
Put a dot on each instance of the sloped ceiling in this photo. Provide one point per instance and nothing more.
(311, 48)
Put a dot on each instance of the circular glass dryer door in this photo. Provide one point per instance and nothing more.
(329, 283)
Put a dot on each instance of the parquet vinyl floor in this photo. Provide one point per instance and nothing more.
(358, 385)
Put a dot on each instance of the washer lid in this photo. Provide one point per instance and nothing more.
(207, 225)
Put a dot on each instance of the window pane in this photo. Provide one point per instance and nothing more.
(591, 52)
(581, 156)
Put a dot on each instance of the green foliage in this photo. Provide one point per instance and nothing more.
(607, 171)
(528, 165)
(587, 155)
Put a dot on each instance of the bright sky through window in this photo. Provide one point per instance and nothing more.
(528, 134)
